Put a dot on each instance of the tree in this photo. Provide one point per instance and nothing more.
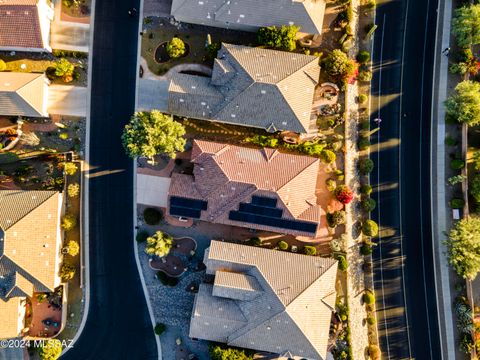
(73, 190)
(152, 216)
(218, 352)
(466, 25)
(309, 250)
(159, 244)
(370, 228)
(463, 247)
(365, 166)
(368, 297)
(50, 349)
(159, 329)
(338, 64)
(64, 69)
(475, 187)
(368, 204)
(149, 134)
(69, 221)
(3, 66)
(364, 75)
(175, 48)
(366, 189)
(69, 168)
(72, 248)
(327, 156)
(142, 236)
(278, 38)
(476, 160)
(336, 218)
(464, 104)
(344, 194)
(282, 245)
(468, 64)
(363, 57)
(67, 271)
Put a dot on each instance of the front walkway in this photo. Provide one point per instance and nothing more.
(66, 35)
(67, 100)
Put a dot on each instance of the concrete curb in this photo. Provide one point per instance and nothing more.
(85, 180)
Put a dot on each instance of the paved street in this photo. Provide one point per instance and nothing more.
(118, 325)
(402, 98)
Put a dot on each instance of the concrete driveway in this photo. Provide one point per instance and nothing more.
(152, 190)
(152, 94)
(12, 354)
(66, 35)
(67, 100)
(159, 8)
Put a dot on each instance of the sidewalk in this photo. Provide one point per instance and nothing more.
(441, 219)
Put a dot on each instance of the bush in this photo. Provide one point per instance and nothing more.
(50, 349)
(63, 136)
(327, 156)
(278, 37)
(368, 298)
(152, 216)
(254, 241)
(282, 245)
(363, 143)
(366, 189)
(374, 352)
(449, 141)
(364, 75)
(336, 218)
(175, 48)
(159, 244)
(475, 187)
(141, 236)
(309, 250)
(69, 168)
(64, 69)
(365, 249)
(365, 166)
(370, 228)
(73, 190)
(344, 194)
(73, 248)
(363, 57)
(362, 98)
(456, 203)
(368, 204)
(338, 64)
(212, 51)
(457, 164)
(67, 271)
(342, 263)
(159, 329)
(3, 66)
(331, 185)
(371, 320)
(220, 352)
(69, 221)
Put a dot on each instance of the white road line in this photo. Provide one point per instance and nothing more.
(378, 181)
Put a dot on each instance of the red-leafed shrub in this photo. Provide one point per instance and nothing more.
(344, 194)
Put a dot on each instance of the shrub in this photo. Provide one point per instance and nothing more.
(362, 98)
(212, 51)
(344, 194)
(141, 236)
(364, 75)
(50, 349)
(331, 185)
(363, 143)
(342, 263)
(73, 248)
(67, 271)
(159, 329)
(152, 216)
(475, 187)
(363, 57)
(254, 241)
(368, 297)
(278, 37)
(449, 141)
(457, 164)
(368, 204)
(64, 69)
(365, 166)
(366, 189)
(69, 168)
(374, 352)
(336, 218)
(220, 352)
(175, 48)
(370, 228)
(309, 250)
(63, 136)
(69, 221)
(3, 66)
(328, 156)
(282, 245)
(159, 244)
(456, 203)
(73, 190)
(371, 320)
(366, 249)
(338, 64)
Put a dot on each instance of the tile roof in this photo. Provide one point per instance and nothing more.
(226, 175)
(20, 24)
(9, 313)
(249, 15)
(252, 87)
(22, 94)
(292, 312)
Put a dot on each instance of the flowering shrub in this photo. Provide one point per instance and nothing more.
(344, 194)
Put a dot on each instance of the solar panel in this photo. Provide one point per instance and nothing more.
(274, 222)
(188, 203)
(180, 211)
(260, 210)
(264, 201)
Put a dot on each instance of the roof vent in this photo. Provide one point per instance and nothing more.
(269, 328)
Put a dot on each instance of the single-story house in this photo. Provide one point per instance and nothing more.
(23, 94)
(255, 87)
(266, 300)
(260, 189)
(250, 15)
(30, 241)
(25, 25)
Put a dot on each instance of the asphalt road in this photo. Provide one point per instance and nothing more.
(403, 260)
(118, 326)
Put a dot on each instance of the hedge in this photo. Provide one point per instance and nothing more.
(152, 216)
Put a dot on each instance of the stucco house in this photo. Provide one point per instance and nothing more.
(23, 94)
(30, 242)
(25, 25)
(250, 15)
(267, 89)
(260, 189)
(267, 300)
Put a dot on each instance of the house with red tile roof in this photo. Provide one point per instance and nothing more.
(25, 25)
(260, 189)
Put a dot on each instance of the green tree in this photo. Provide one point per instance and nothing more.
(464, 104)
(50, 349)
(67, 271)
(363, 57)
(466, 25)
(3, 66)
(149, 134)
(218, 352)
(368, 204)
(64, 69)
(72, 248)
(463, 247)
(365, 166)
(476, 160)
(328, 156)
(278, 38)
(368, 297)
(159, 244)
(175, 48)
(370, 228)
(467, 64)
(69, 221)
(475, 187)
(338, 64)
